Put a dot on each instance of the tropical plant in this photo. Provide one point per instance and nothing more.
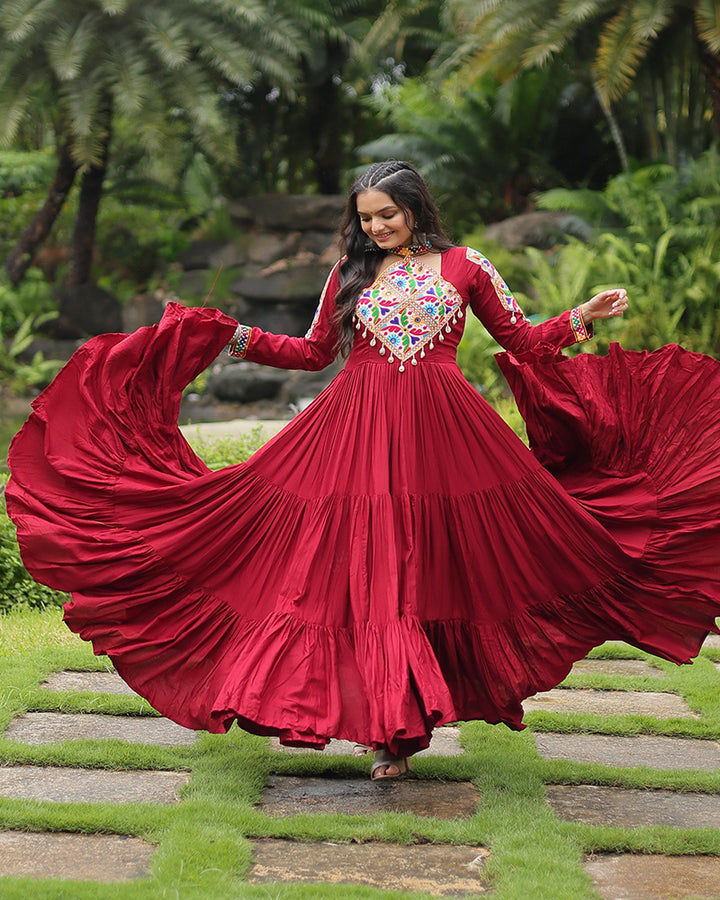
(658, 234)
(658, 46)
(86, 64)
(305, 140)
(485, 148)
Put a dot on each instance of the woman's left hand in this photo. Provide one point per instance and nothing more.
(605, 305)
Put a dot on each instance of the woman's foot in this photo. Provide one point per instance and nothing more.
(361, 749)
(387, 766)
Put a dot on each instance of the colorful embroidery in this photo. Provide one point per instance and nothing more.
(406, 309)
(239, 343)
(316, 317)
(501, 289)
(578, 326)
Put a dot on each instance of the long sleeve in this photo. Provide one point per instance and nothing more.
(314, 351)
(493, 303)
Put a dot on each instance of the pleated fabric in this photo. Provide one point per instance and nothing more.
(395, 558)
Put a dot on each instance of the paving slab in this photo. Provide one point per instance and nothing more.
(445, 741)
(233, 428)
(81, 857)
(95, 682)
(643, 877)
(290, 796)
(644, 750)
(50, 728)
(68, 785)
(628, 667)
(436, 869)
(657, 704)
(712, 641)
(599, 805)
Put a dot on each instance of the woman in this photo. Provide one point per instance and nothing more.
(395, 558)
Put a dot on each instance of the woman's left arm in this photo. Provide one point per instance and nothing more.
(493, 303)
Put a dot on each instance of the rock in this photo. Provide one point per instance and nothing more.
(294, 284)
(87, 309)
(267, 247)
(541, 229)
(293, 212)
(280, 318)
(141, 310)
(239, 211)
(194, 284)
(245, 383)
(300, 384)
(319, 243)
(201, 254)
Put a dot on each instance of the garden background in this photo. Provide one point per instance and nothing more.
(127, 128)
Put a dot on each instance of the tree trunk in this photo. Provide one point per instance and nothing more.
(91, 188)
(326, 119)
(613, 125)
(20, 258)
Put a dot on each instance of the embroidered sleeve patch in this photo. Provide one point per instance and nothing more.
(502, 291)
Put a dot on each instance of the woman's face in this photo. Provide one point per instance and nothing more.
(382, 220)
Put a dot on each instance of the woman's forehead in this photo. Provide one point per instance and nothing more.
(374, 201)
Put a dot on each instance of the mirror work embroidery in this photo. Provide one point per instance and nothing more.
(406, 309)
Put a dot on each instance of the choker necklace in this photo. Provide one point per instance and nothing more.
(412, 250)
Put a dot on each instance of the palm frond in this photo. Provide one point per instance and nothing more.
(68, 47)
(114, 7)
(619, 55)
(582, 11)
(549, 41)
(20, 18)
(650, 17)
(707, 22)
(167, 37)
(132, 82)
(13, 109)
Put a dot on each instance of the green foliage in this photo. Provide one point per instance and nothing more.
(17, 588)
(658, 235)
(23, 311)
(20, 170)
(485, 147)
(652, 54)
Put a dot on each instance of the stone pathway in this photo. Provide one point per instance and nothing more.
(440, 870)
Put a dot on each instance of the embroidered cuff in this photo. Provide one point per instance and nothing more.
(580, 330)
(239, 342)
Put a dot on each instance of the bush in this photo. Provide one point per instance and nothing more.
(658, 235)
(24, 170)
(17, 588)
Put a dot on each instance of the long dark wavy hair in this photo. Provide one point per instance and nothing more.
(409, 192)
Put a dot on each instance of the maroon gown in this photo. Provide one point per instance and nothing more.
(395, 558)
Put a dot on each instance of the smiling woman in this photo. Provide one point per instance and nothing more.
(383, 221)
(395, 558)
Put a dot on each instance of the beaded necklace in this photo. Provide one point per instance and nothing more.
(412, 250)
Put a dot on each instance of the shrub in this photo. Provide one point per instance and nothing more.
(17, 588)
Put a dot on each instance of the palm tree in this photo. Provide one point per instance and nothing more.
(309, 139)
(631, 38)
(90, 61)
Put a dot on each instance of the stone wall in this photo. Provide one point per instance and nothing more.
(271, 274)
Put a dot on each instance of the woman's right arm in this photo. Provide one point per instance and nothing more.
(314, 351)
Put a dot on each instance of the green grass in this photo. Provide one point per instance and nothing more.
(204, 848)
